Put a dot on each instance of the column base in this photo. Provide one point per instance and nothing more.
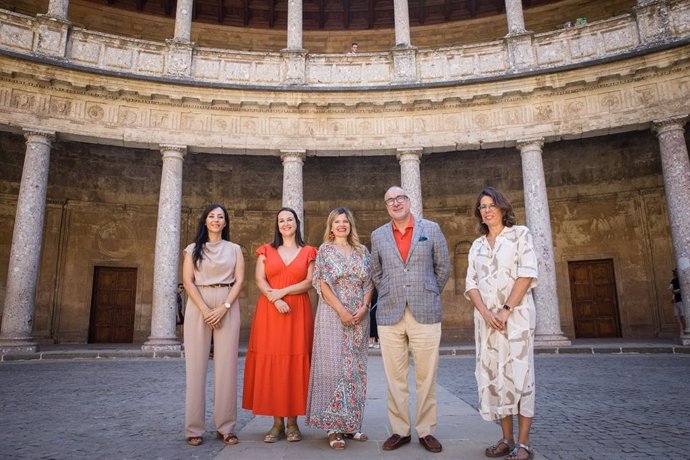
(17, 346)
(685, 339)
(551, 341)
(156, 345)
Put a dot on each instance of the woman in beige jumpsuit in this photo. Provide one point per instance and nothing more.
(213, 275)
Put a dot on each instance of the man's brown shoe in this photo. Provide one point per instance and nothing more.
(396, 441)
(431, 444)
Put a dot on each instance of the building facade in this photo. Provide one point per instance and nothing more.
(110, 146)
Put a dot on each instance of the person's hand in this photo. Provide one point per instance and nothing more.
(503, 315)
(492, 319)
(275, 294)
(346, 317)
(359, 314)
(215, 317)
(282, 306)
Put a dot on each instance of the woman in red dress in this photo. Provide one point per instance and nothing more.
(276, 373)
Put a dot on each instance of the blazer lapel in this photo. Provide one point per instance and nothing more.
(390, 239)
(416, 231)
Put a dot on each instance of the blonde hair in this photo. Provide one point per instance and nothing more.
(352, 237)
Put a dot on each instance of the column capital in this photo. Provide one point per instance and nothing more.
(173, 151)
(409, 153)
(297, 155)
(49, 136)
(670, 124)
(533, 143)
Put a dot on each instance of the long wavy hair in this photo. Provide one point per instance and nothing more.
(501, 203)
(352, 238)
(278, 238)
(201, 237)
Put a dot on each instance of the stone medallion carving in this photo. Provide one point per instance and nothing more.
(115, 240)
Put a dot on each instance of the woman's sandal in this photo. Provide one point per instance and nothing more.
(358, 436)
(230, 439)
(293, 433)
(275, 434)
(336, 441)
(515, 454)
(194, 440)
(497, 451)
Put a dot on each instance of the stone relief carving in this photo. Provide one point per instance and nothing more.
(115, 240)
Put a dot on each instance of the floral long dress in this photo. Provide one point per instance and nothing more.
(338, 379)
(505, 359)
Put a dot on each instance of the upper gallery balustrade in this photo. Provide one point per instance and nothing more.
(650, 25)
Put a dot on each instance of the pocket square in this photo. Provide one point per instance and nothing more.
(422, 238)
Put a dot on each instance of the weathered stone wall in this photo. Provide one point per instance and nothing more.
(606, 201)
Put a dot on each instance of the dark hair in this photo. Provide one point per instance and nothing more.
(278, 238)
(501, 203)
(201, 237)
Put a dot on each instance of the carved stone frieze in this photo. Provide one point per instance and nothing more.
(581, 102)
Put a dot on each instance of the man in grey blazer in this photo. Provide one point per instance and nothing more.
(410, 267)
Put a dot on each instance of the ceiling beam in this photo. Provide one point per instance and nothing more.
(422, 12)
(346, 13)
(167, 7)
(246, 12)
(221, 12)
(500, 5)
(371, 5)
(271, 13)
(322, 14)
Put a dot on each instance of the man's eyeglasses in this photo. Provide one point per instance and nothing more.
(486, 207)
(396, 199)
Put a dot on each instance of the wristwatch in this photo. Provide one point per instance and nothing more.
(507, 307)
(227, 305)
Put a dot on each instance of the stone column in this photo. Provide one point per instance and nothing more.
(516, 19)
(401, 15)
(183, 21)
(180, 48)
(58, 9)
(166, 259)
(294, 25)
(411, 178)
(676, 170)
(25, 253)
(293, 187)
(548, 331)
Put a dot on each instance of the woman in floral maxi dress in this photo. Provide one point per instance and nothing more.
(338, 379)
(502, 271)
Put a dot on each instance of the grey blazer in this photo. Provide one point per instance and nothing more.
(417, 283)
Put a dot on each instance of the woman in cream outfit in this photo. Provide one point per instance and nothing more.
(213, 275)
(501, 273)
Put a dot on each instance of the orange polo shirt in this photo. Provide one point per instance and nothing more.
(404, 241)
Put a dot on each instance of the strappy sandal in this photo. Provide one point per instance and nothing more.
(293, 433)
(515, 454)
(336, 441)
(358, 436)
(230, 439)
(497, 451)
(274, 435)
(194, 440)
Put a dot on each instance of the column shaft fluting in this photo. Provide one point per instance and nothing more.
(25, 253)
(167, 255)
(293, 186)
(294, 26)
(516, 17)
(58, 8)
(676, 170)
(411, 178)
(183, 21)
(401, 16)
(548, 331)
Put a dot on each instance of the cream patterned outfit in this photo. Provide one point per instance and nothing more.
(505, 359)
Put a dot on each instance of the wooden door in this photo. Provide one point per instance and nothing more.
(593, 294)
(112, 305)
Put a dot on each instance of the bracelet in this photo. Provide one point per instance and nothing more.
(507, 307)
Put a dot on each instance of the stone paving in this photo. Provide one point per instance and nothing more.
(598, 406)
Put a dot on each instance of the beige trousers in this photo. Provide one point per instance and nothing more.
(197, 345)
(397, 341)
